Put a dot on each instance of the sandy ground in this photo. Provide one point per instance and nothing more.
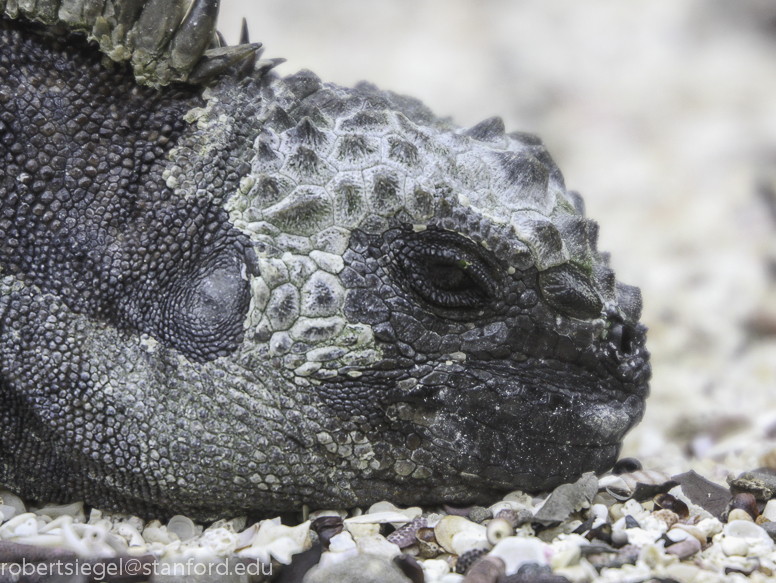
(661, 112)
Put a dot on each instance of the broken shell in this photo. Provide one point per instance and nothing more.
(404, 536)
(428, 547)
(327, 527)
(675, 505)
(499, 528)
(626, 465)
(182, 526)
(515, 517)
(640, 485)
(451, 526)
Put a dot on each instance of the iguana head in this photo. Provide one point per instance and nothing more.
(259, 292)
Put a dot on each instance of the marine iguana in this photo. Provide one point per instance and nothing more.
(224, 291)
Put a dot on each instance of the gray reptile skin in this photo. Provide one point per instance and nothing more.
(249, 293)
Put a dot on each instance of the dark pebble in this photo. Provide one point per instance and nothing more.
(770, 528)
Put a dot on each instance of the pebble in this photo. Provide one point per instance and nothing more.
(600, 540)
(516, 551)
(685, 548)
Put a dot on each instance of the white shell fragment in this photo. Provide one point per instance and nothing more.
(182, 527)
(455, 532)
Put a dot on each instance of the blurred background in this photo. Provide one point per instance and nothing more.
(662, 113)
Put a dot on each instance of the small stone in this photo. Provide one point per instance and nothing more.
(479, 514)
(517, 551)
(761, 484)
(770, 528)
(685, 549)
(734, 546)
(738, 514)
(488, 569)
(745, 501)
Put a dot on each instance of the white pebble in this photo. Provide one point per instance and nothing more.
(378, 545)
(469, 539)
(747, 530)
(515, 552)
(769, 511)
(435, 569)
(732, 545)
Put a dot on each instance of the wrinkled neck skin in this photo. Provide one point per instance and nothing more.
(275, 292)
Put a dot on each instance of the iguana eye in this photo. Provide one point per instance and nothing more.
(446, 275)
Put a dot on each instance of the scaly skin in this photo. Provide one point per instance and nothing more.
(268, 292)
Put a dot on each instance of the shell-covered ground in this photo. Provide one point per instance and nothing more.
(662, 113)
